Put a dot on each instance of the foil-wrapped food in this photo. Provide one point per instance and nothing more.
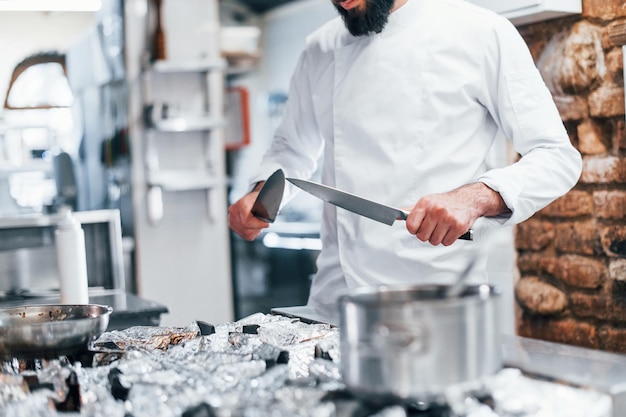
(259, 362)
(144, 338)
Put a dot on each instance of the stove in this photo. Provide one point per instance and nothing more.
(262, 365)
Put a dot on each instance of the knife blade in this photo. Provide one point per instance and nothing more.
(359, 205)
(268, 201)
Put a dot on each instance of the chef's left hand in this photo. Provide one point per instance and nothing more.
(442, 218)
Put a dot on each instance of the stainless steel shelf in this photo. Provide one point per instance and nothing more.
(201, 65)
(184, 180)
(27, 166)
(187, 124)
(240, 63)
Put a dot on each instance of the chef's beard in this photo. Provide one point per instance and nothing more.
(372, 18)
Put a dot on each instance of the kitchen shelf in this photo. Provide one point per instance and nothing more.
(200, 65)
(240, 62)
(522, 12)
(184, 180)
(205, 116)
(28, 166)
(187, 124)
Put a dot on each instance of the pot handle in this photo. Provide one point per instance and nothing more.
(409, 337)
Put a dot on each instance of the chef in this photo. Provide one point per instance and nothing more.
(404, 99)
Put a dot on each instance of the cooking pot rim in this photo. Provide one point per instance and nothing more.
(9, 316)
(410, 293)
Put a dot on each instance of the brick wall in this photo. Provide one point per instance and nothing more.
(572, 255)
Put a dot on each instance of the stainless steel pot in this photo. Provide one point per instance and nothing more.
(50, 331)
(411, 343)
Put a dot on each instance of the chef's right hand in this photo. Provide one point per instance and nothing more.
(240, 217)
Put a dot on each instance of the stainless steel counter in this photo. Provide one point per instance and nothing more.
(601, 371)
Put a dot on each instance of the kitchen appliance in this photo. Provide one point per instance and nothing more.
(411, 343)
(268, 201)
(359, 205)
(49, 331)
(28, 260)
(29, 273)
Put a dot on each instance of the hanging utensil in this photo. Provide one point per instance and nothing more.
(359, 205)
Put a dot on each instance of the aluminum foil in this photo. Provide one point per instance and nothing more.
(260, 366)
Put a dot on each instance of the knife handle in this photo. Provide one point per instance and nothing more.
(469, 235)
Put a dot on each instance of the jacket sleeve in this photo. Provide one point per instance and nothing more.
(297, 143)
(521, 104)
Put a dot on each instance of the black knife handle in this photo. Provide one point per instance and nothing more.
(469, 235)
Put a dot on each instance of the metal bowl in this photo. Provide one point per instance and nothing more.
(50, 331)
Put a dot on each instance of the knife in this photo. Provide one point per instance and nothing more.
(358, 205)
(268, 201)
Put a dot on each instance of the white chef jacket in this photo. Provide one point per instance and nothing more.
(413, 111)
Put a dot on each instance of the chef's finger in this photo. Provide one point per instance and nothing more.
(425, 231)
(243, 223)
(420, 224)
(414, 220)
(438, 235)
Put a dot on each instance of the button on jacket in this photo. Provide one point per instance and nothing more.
(413, 111)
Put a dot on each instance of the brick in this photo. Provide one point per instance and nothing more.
(603, 9)
(615, 66)
(613, 240)
(612, 339)
(540, 297)
(613, 130)
(571, 108)
(577, 271)
(574, 63)
(588, 306)
(620, 137)
(600, 170)
(538, 34)
(609, 205)
(614, 34)
(590, 141)
(617, 269)
(579, 238)
(566, 331)
(573, 204)
(534, 235)
(599, 305)
(621, 171)
(606, 101)
(529, 262)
